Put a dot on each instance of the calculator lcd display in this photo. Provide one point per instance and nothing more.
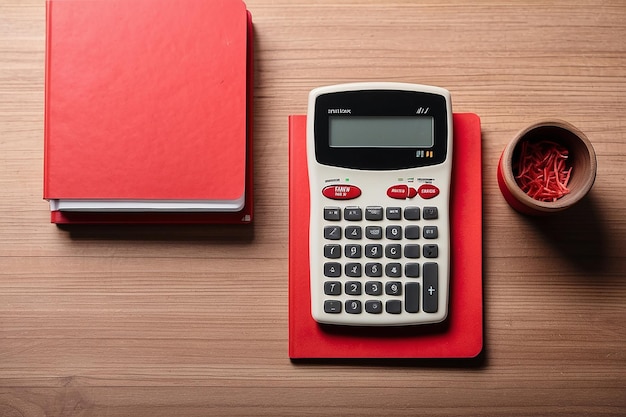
(381, 131)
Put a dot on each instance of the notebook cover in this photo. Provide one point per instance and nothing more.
(461, 335)
(148, 99)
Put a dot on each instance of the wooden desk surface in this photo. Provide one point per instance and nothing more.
(175, 321)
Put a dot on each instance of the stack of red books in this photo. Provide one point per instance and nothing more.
(148, 111)
(461, 334)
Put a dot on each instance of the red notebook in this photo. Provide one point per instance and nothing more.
(461, 335)
(148, 111)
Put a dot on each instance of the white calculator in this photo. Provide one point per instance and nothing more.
(379, 161)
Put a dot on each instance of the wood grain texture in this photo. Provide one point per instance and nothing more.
(192, 321)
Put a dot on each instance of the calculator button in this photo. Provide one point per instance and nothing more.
(332, 232)
(373, 288)
(354, 232)
(394, 232)
(332, 213)
(353, 288)
(431, 251)
(353, 269)
(412, 192)
(412, 270)
(412, 232)
(393, 270)
(393, 251)
(427, 191)
(393, 288)
(374, 251)
(353, 213)
(412, 213)
(430, 232)
(430, 213)
(332, 306)
(341, 192)
(393, 213)
(332, 269)
(332, 251)
(353, 251)
(332, 288)
(353, 306)
(412, 251)
(412, 297)
(373, 213)
(373, 232)
(399, 192)
(431, 271)
(374, 306)
(393, 306)
(373, 269)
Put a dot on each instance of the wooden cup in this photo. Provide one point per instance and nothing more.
(582, 159)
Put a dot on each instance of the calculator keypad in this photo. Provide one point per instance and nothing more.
(380, 260)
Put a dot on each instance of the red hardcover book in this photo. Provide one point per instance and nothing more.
(148, 111)
(461, 335)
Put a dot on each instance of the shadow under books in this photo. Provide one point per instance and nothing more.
(478, 362)
(223, 233)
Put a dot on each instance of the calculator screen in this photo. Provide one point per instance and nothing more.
(381, 131)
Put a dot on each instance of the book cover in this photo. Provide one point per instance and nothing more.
(148, 109)
(461, 335)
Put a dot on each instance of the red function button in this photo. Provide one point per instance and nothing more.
(428, 191)
(401, 192)
(341, 192)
